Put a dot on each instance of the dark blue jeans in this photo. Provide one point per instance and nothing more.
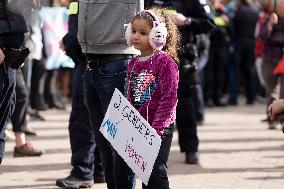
(82, 139)
(7, 101)
(99, 85)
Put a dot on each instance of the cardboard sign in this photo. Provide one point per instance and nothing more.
(131, 136)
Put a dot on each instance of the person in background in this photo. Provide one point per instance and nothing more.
(272, 34)
(275, 108)
(244, 24)
(192, 19)
(86, 161)
(12, 30)
(19, 120)
(215, 70)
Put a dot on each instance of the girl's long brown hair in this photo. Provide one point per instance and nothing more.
(173, 39)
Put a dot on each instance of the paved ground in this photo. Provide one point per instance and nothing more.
(236, 152)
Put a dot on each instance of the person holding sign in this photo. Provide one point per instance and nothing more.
(153, 80)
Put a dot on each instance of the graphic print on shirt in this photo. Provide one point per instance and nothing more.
(143, 86)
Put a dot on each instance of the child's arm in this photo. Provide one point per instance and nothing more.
(168, 84)
(275, 108)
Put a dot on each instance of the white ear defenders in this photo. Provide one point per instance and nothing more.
(157, 36)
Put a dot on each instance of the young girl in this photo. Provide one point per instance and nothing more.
(153, 81)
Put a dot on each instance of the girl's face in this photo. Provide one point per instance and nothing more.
(140, 36)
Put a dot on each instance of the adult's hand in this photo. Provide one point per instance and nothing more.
(181, 19)
(272, 21)
(275, 108)
(61, 45)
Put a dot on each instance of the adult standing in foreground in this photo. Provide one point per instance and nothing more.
(85, 159)
(101, 34)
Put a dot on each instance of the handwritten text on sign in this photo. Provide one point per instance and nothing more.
(131, 136)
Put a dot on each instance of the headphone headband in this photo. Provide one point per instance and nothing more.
(156, 18)
(158, 34)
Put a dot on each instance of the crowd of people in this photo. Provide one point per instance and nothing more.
(189, 54)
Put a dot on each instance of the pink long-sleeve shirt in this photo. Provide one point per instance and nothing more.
(152, 89)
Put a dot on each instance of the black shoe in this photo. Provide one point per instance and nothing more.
(265, 120)
(30, 132)
(71, 182)
(200, 123)
(191, 158)
(42, 107)
(99, 179)
(250, 102)
(209, 103)
(36, 116)
(219, 104)
(233, 102)
(57, 105)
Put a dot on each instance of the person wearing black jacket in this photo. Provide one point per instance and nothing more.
(244, 24)
(85, 159)
(192, 19)
(12, 29)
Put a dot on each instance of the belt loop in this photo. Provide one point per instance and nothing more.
(88, 65)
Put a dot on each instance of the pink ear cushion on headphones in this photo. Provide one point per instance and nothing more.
(158, 35)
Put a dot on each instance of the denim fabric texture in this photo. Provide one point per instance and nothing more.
(7, 101)
(99, 85)
(82, 139)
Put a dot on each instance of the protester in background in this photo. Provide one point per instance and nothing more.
(192, 19)
(272, 35)
(12, 31)
(215, 70)
(244, 24)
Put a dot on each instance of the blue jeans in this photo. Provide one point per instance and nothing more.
(99, 85)
(82, 139)
(7, 101)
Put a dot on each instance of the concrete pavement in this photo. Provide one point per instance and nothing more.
(236, 152)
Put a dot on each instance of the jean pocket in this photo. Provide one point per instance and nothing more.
(114, 69)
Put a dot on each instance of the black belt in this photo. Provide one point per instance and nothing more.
(97, 61)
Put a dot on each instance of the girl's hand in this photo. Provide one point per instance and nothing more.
(275, 108)
(2, 56)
